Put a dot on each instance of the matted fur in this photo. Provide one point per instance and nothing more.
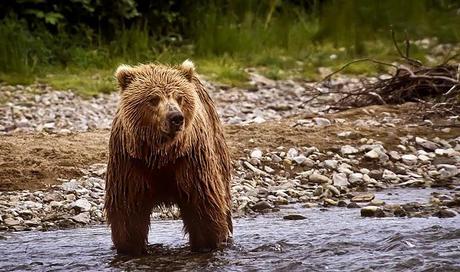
(146, 168)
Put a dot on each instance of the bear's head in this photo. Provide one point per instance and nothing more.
(157, 103)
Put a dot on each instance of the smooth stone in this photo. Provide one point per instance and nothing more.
(81, 205)
(331, 164)
(348, 150)
(363, 197)
(322, 122)
(318, 178)
(372, 211)
(428, 145)
(340, 179)
(353, 205)
(83, 218)
(409, 159)
(261, 205)
(294, 217)
(256, 154)
(445, 213)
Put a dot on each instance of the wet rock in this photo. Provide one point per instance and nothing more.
(330, 202)
(399, 211)
(353, 205)
(377, 202)
(363, 197)
(261, 205)
(372, 211)
(294, 217)
(445, 213)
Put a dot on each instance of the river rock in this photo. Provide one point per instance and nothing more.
(300, 159)
(372, 211)
(428, 145)
(348, 150)
(256, 154)
(377, 153)
(333, 190)
(353, 205)
(340, 179)
(318, 178)
(331, 164)
(70, 186)
(294, 217)
(389, 175)
(355, 178)
(445, 213)
(81, 205)
(363, 197)
(409, 159)
(261, 205)
(322, 122)
(12, 222)
(82, 218)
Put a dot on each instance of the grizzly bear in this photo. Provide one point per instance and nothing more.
(167, 147)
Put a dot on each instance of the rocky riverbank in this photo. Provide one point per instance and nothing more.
(264, 181)
(285, 151)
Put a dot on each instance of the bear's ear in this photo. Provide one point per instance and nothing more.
(124, 75)
(188, 68)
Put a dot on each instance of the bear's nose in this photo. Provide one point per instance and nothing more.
(176, 119)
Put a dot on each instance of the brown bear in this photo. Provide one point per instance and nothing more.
(167, 147)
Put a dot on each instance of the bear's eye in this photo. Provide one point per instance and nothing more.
(180, 100)
(154, 100)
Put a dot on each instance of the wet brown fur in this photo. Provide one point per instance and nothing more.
(147, 168)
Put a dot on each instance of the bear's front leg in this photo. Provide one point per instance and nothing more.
(130, 231)
(208, 228)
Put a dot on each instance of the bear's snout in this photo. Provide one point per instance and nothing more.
(175, 119)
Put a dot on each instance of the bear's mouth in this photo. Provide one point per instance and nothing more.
(171, 134)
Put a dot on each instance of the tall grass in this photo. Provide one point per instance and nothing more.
(280, 38)
(20, 51)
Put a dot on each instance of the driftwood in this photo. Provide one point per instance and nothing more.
(437, 87)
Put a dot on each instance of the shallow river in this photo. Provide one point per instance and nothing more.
(334, 240)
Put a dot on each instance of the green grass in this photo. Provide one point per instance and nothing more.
(224, 41)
